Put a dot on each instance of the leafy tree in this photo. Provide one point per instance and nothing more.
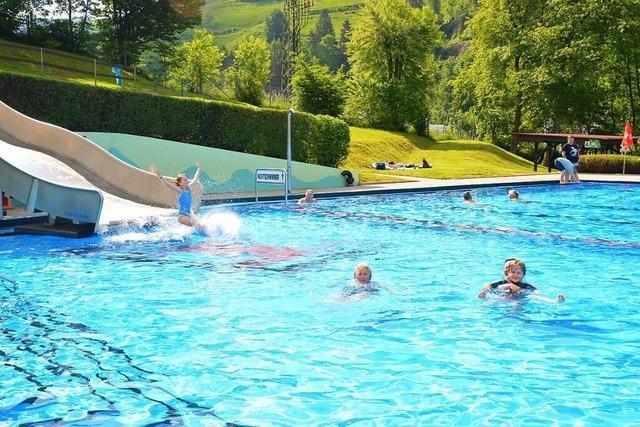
(502, 55)
(11, 12)
(455, 14)
(393, 68)
(72, 32)
(127, 25)
(316, 90)
(328, 52)
(250, 70)
(199, 60)
(545, 65)
(275, 26)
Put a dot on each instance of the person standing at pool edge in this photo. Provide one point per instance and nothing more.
(182, 186)
(571, 152)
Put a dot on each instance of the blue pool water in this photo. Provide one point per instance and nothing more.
(254, 327)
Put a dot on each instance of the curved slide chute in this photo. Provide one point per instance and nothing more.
(104, 171)
(52, 169)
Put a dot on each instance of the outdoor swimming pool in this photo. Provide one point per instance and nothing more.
(146, 326)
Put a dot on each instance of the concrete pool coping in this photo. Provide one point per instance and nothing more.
(417, 186)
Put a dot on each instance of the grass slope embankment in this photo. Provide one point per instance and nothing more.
(63, 66)
(449, 158)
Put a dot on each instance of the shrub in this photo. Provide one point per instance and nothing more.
(316, 90)
(608, 163)
(235, 127)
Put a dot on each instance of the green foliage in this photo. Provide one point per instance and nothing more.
(275, 26)
(316, 90)
(10, 11)
(548, 65)
(125, 26)
(608, 163)
(328, 52)
(250, 70)
(345, 36)
(391, 53)
(208, 123)
(328, 142)
(199, 60)
(323, 28)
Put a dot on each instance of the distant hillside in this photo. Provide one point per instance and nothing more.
(229, 20)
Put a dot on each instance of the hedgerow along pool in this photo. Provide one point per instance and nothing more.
(255, 327)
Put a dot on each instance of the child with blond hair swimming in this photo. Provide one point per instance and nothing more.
(513, 287)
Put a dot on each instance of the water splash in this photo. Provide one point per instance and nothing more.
(218, 224)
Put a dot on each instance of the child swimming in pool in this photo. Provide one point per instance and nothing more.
(468, 197)
(512, 287)
(182, 186)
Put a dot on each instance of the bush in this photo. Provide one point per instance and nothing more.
(316, 90)
(78, 107)
(608, 163)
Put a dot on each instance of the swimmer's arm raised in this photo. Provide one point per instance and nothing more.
(196, 177)
(154, 170)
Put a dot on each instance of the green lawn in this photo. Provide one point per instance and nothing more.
(58, 65)
(449, 158)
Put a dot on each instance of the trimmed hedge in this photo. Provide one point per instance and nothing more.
(608, 163)
(321, 140)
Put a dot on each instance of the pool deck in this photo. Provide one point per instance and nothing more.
(421, 185)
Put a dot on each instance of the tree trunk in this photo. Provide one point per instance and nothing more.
(629, 86)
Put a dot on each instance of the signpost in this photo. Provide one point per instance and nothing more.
(273, 176)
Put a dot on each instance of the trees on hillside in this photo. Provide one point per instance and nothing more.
(123, 26)
(250, 70)
(127, 25)
(393, 68)
(198, 60)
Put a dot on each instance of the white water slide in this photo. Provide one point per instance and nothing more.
(53, 170)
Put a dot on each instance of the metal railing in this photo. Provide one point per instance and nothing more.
(273, 176)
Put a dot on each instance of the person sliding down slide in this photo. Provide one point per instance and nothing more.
(182, 186)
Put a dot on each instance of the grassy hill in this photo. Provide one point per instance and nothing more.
(449, 158)
(229, 20)
(58, 65)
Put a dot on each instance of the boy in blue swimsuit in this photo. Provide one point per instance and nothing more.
(182, 186)
(512, 287)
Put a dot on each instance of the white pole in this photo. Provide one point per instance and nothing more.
(289, 115)
(624, 161)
